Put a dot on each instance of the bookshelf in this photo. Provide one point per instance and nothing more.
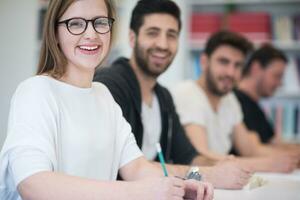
(274, 21)
(241, 2)
(273, 8)
(284, 115)
(287, 46)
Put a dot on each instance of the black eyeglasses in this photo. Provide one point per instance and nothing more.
(77, 26)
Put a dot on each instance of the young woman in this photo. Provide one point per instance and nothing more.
(67, 138)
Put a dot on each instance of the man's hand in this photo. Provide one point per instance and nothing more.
(284, 163)
(228, 174)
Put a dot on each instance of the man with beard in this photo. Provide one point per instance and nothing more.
(211, 114)
(148, 106)
(261, 76)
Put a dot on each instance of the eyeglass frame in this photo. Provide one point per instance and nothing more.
(66, 21)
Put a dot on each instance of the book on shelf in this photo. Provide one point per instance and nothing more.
(202, 25)
(284, 116)
(296, 121)
(288, 121)
(254, 25)
(196, 66)
(291, 77)
(297, 62)
(297, 27)
(283, 28)
(195, 70)
(257, 26)
(278, 111)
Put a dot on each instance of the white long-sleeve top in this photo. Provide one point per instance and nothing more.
(54, 126)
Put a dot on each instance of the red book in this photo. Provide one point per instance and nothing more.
(204, 24)
(254, 25)
(297, 27)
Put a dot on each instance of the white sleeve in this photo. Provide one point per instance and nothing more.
(126, 140)
(237, 110)
(30, 145)
(190, 108)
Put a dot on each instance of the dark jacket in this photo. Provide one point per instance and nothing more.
(123, 84)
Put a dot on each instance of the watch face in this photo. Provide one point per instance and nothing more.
(194, 175)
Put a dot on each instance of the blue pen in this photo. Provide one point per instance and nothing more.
(161, 159)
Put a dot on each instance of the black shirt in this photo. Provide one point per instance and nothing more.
(124, 87)
(254, 117)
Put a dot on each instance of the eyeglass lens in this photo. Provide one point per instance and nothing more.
(78, 26)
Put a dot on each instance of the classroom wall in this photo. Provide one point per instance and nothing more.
(17, 50)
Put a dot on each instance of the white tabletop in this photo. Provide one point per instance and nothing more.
(278, 187)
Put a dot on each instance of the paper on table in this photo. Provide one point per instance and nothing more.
(255, 182)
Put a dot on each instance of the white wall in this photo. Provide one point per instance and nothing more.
(18, 50)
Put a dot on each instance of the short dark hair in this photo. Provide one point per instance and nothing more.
(264, 55)
(228, 38)
(146, 7)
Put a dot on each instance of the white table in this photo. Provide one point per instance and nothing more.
(279, 187)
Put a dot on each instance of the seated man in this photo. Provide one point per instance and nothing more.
(211, 113)
(148, 106)
(261, 77)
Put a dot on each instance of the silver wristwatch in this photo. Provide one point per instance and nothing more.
(194, 173)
